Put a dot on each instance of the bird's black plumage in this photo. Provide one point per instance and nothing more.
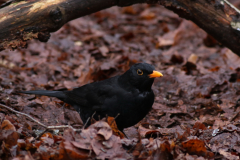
(129, 95)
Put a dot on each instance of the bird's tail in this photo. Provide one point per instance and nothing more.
(58, 94)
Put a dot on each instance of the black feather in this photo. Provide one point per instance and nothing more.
(58, 94)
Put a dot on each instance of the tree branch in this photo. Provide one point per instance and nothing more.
(25, 20)
(218, 18)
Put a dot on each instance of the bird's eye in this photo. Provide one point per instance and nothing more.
(139, 72)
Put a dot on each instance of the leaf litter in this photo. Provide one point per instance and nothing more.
(196, 109)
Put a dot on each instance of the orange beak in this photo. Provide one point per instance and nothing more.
(155, 74)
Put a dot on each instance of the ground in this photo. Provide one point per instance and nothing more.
(196, 109)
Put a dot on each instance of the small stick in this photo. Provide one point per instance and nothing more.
(41, 124)
(62, 127)
(156, 143)
(40, 135)
(114, 118)
(93, 114)
(106, 117)
(28, 116)
(234, 116)
(63, 107)
(86, 123)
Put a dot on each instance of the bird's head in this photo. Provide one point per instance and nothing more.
(140, 76)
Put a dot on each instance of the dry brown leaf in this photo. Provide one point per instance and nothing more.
(68, 151)
(193, 58)
(84, 140)
(111, 121)
(196, 146)
(129, 10)
(228, 155)
(147, 14)
(9, 137)
(199, 125)
(144, 131)
(103, 129)
(104, 50)
(70, 84)
(164, 152)
(7, 125)
(47, 138)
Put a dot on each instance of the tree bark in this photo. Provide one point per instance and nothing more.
(25, 20)
(219, 18)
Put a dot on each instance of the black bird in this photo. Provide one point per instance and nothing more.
(129, 95)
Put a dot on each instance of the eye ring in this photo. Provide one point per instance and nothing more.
(139, 72)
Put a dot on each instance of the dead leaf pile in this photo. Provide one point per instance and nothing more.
(196, 114)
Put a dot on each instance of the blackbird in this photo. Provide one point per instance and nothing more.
(129, 95)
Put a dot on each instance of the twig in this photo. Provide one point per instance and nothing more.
(63, 106)
(232, 6)
(86, 122)
(106, 117)
(234, 116)
(4, 106)
(41, 124)
(114, 118)
(40, 135)
(93, 114)
(156, 143)
(63, 126)
(206, 144)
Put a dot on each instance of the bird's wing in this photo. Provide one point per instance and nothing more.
(91, 95)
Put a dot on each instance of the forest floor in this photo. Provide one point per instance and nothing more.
(196, 114)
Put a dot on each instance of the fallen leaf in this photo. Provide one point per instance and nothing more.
(111, 121)
(129, 10)
(193, 58)
(7, 125)
(68, 151)
(147, 14)
(196, 146)
(103, 129)
(104, 50)
(199, 125)
(163, 152)
(228, 155)
(70, 84)
(10, 138)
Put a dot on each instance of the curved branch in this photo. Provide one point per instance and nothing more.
(24, 20)
(218, 18)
